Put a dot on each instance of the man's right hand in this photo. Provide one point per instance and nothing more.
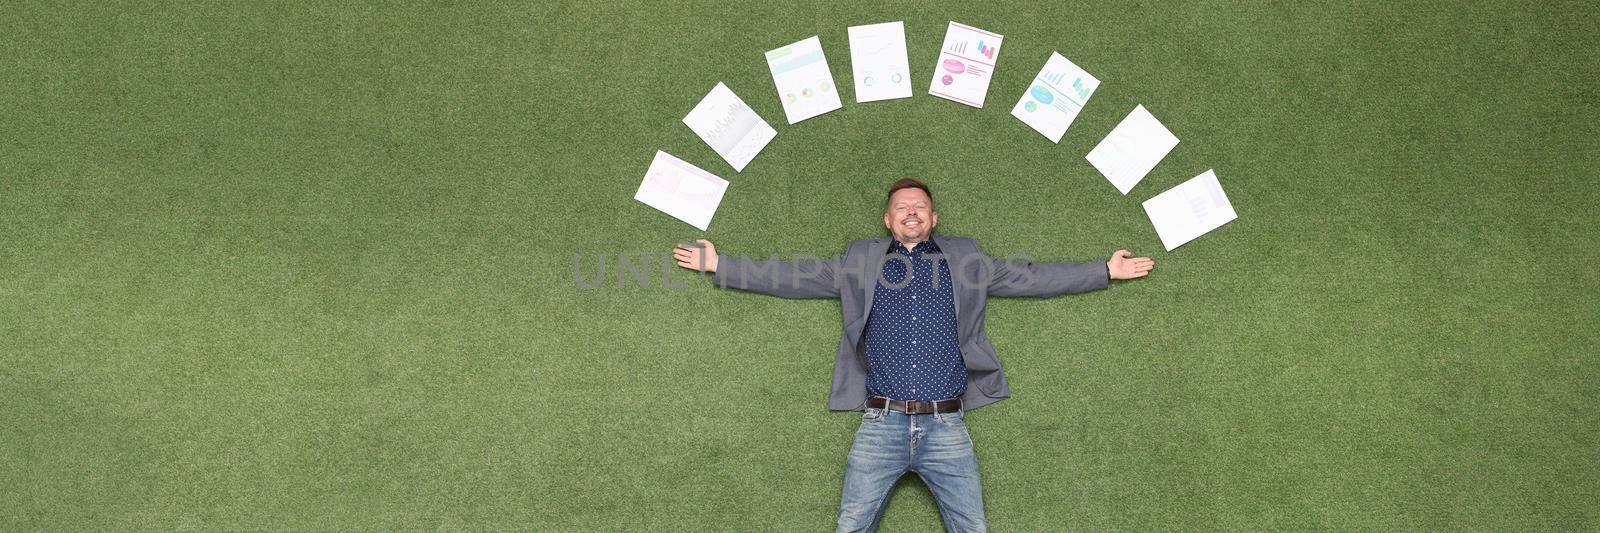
(700, 256)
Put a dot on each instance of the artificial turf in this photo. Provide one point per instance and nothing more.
(310, 266)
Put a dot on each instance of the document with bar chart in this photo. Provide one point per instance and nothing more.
(732, 129)
(805, 85)
(878, 61)
(682, 190)
(966, 64)
(1132, 149)
(1054, 97)
(1191, 209)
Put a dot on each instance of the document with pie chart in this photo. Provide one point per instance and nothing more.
(1132, 149)
(805, 85)
(1054, 97)
(1191, 209)
(682, 190)
(878, 61)
(966, 64)
(732, 129)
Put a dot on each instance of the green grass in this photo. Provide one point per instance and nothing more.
(308, 265)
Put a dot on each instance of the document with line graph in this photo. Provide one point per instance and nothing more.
(805, 85)
(1054, 97)
(1191, 209)
(732, 129)
(966, 64)
(682, 190)
(878, 61)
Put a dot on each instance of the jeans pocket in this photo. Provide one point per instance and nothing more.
(954, 420)
(872, 415)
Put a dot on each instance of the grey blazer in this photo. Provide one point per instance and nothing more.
(976, 277)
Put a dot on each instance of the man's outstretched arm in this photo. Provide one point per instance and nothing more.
(1013, 278)
(786, 279)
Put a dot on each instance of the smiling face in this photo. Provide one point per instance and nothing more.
(910, 217)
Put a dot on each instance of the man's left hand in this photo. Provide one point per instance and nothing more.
(1122, 266)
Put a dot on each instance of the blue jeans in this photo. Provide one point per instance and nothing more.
(935, 446)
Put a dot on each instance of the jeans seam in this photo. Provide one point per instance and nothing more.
(877, 507)
(944, 514)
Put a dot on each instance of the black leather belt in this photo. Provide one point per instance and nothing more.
(915, 407)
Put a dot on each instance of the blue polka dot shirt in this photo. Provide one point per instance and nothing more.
(912, 348)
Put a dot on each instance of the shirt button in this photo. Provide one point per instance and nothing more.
(913, 297)
(913, 343)
(913, 366)
(913, 318)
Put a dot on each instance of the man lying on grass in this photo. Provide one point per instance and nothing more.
(913, 355)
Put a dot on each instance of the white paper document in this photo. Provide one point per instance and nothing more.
(878, 61)
(805, 85)
(1189, 210)
(1055, 97)
(1132, 149)
(966, 64)
(732, 129)
(682, 190)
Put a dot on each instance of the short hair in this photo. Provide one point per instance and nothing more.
(907, 183)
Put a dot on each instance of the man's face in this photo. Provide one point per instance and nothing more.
(910, 217)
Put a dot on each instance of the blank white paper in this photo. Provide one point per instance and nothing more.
(1189, 210)
(1132, 149)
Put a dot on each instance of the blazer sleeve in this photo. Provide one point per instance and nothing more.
(1024, 278)
(785, 279)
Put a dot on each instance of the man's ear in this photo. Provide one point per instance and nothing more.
(886, 223)
(933, 219)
